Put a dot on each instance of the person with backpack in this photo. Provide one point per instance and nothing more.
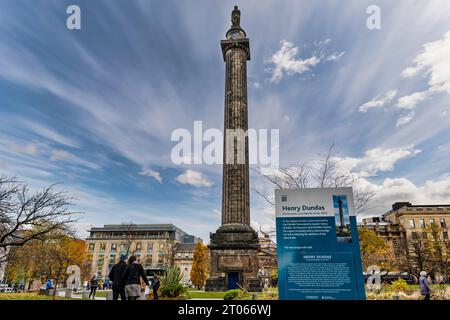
(94, 285)
(131, 277)
(115, 275)
(155, 287)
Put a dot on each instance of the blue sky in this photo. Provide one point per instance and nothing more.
(93, 109)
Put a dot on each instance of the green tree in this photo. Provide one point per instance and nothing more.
(199, 270)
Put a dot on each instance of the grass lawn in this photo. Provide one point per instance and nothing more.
(27, 296)
(198, 294)
(102, 293)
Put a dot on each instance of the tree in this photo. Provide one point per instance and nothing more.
(321, 173)
(375, 250)
(47, 259)
(129, 236)
(438, 250)
(418, 257)
(199, 270)
(26, 216)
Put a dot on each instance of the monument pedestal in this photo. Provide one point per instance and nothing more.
(234, 259)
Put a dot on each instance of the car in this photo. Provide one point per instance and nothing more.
(6, 289)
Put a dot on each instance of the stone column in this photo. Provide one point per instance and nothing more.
(235, 192)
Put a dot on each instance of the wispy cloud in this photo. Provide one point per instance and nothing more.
(378, 101)
(151, 173)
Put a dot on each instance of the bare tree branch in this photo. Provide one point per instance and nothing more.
(26, 216)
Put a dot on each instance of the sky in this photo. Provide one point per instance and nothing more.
(94, 109)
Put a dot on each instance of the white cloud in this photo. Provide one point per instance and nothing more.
(433, 61)
(151, 173)
(404, 119)
(334, 56)
(285, 60)
(376, 160)
(393, 190)
(194, 178)
(410, 101)
(378, 101)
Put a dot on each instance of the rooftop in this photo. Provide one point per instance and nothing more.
(137, 227)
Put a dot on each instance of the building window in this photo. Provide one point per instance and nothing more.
(114, 247)
(412, 225)
(424, 236)
(91, 246)
(102, 246)
(179, 255)
(445, 235)
(138, 246)
(150, 247)
(431, 222)
(148, 261)
(422, 223)
(100, 262)
(443, 224)
(414, 235)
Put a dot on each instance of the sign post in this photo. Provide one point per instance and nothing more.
(317, 245)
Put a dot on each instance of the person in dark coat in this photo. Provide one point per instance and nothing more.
(155, 287)
(425, 288)
(115, 275)
(94, 285)
(131, 277)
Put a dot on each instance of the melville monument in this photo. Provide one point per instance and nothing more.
(234, 246)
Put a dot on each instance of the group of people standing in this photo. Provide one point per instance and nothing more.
(126, 280)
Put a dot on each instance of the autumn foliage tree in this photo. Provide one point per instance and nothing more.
(199, 270)
(47, 259)
(374, 250)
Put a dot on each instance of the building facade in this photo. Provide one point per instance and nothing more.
(406, 224)
(153, 245)
(184, 256)
(267, 260)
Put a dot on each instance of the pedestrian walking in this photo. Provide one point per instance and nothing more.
(132, 278)
(425, 288)
(155, 287)
(94, 285)
(115, 275)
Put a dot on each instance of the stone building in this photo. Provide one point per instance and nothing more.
(234, 246)
(406, 223)
(184, 256)
(153, 244)
(267, 260)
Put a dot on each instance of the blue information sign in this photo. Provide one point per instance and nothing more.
(317, 245)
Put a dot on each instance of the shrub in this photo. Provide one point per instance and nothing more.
(170, 283)
(400, 285)
(236, 294)
(231, 294)
(172, 291)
